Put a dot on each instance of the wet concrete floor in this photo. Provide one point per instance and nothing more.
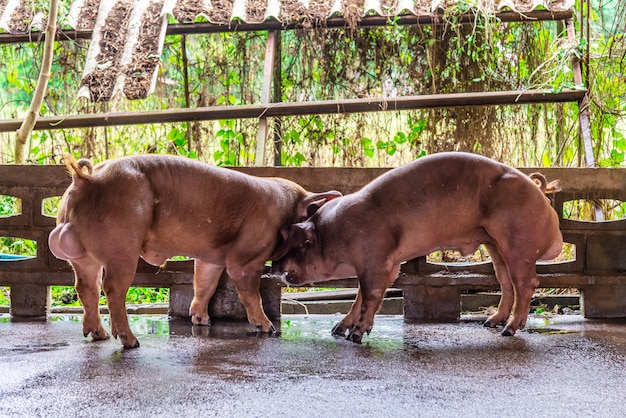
(559, 366)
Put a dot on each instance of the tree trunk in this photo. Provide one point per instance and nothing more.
(22, 134)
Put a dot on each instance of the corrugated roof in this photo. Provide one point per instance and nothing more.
(17, 16)
(133, 71)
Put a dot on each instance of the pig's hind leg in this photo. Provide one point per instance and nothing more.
(247, 281)
(524, 277)
(88, 279)
(118, 278)
(506, 288)
(205, 280)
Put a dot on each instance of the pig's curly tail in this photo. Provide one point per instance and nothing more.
(81, 168)
(541, 182)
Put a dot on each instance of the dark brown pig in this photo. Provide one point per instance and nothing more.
(156, 207)
(444, 201)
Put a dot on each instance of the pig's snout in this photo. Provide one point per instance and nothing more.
(290, 279)
(285, 276)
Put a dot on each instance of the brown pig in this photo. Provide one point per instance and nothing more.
(156, 207)
(444, 201)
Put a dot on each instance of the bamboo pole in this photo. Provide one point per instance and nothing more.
(24, 131)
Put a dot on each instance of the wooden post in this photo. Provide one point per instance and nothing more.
(583, 106)
(583, 113)
(270, 53)
(183, 51)
(277, 97)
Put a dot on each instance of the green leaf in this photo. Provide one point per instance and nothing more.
(400, 138)
(368, 147)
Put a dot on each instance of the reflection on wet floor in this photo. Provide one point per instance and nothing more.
(559, 365)
(307, 327)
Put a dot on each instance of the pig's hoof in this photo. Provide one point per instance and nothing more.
(489, 324)
(508, 332)
(354, 337)
(99, 334)
(339, 330)
(270, 330)
(199, 320)
(129, 345)
(129, 342)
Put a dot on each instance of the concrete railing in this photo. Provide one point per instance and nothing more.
(431, 291)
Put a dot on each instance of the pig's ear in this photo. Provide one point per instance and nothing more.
(310, 204)
(300, 235)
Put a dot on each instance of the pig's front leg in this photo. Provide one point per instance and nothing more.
(506, 288)
(351, 318)
(205, 280)
(88, 278)
(373, 285)
(247, 281)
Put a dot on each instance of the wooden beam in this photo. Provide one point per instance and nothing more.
(273, 24)
(374, 104)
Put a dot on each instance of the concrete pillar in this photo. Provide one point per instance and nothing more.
(225, 302)
(272, 297)
(432, 303)
(30, 302)
(180, 299)
(603, 301)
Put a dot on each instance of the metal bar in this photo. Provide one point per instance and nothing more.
(273, 24)
(374, 104)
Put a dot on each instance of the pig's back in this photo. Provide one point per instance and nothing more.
(179, 178)
(460, 178)
(191, 197)
(453, 198)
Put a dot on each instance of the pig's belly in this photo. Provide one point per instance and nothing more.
(154, 257)
(465, 243)
(156, 254)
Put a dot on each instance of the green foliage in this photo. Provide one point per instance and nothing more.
(147, 295)
(51, 206)
(66, 296)
(225, 69)
(5, 299)
(18, 246)
(10, 206)
(584, 210)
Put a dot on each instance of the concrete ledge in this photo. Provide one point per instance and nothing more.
(391, 306)
(339, 301)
